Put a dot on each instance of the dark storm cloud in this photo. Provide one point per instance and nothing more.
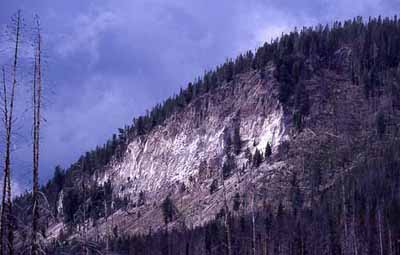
(112, 60)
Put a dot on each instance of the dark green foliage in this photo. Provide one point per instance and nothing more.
(302, 103)
(142, 199)
(168, 210)
(268, 151)
(100, 195)
(121, 203)
(96, 199)
(296, 196)
(72, 198)
(380, 124)
(213, 186)
(298, 120)
(54, 187)
(236, 202)
(182, 188)
(237, 141)
(59, 178)
(229, 166)
(227, 142)
(248, 155)
(288, 74)
(257, 158)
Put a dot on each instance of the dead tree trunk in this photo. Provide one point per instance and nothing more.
(380, 229)
(37, 93)
(6, 214)
(3, 222)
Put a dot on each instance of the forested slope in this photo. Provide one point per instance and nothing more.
(293, 149)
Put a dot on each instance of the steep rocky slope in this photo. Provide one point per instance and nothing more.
(184, 156)
(194, 138)
(188, 152)
(324, 100)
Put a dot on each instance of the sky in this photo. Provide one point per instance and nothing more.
(108, 61)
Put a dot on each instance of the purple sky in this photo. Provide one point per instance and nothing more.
(109, 60)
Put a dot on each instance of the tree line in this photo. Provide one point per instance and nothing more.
(367, 225)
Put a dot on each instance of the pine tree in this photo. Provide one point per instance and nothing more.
(142, 199)
(37, 94)
(213, 186)
(257, 158)
(229, 166)
(236, 202)
(168, 210)
(295, 195)
(237, 142)
(227, 142)
(268, 150)
(380, 124)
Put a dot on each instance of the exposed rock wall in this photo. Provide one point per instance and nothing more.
(189, 150)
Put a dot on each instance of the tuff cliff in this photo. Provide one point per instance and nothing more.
(184, 156)
(300, 136)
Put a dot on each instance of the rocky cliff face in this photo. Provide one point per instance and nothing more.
(331, 115)
(191, 142)
(186, 154)
(184, 157)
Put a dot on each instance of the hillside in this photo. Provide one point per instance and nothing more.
(291, 150)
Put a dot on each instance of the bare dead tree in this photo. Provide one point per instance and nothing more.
(37, 93)
(5, 218)
(24, 230)
(4, 194)
(380, 227)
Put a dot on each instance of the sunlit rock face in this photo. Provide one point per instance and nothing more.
(189, 148)
(183, 158)
(173, 153)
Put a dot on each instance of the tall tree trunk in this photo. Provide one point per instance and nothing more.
(37, 90)
(380, 229)
(3, 220)
(10, 234)
(6, 214)
(390, 242)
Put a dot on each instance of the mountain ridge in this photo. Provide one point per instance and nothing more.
(327, 109)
